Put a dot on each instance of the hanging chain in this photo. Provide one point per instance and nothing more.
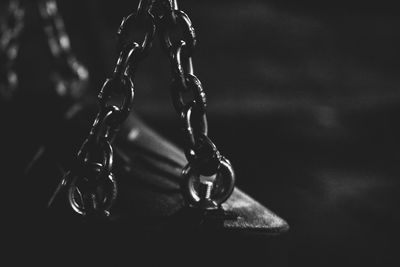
(70, 76)
(209, 178)
(10, 33)
(92, 188)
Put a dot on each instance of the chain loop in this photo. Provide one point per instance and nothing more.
(120, 83)
(92, 197)
(115, 86)
(92, 151)
(144, 20)
(177, 29)
(106, 124)
(191, 115)
(208, 192)
(181, 65)
(193, 91)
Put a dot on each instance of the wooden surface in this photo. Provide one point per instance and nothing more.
(148, 172)
(150, 168)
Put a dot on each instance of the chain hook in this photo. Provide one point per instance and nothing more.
(208, 192)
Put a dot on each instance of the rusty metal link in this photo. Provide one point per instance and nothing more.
(208, 177)
(70, 76)
(11, 27)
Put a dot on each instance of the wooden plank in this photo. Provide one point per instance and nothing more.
(148, 171)
(143, 148)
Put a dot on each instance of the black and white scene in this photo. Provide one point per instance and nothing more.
(200, 133)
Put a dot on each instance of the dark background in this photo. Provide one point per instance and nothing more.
(303, 98)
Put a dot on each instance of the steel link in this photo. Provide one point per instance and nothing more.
(181, 64)
(120, 84)
(92, 151)
(145, 22)
(195, 122)
(173, 31)
(106, 124)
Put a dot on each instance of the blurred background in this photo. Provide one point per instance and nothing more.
(303, 98)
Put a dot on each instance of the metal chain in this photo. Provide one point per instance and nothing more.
(92, 188)
(70, 76)
(209, 178)
(10, 33)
